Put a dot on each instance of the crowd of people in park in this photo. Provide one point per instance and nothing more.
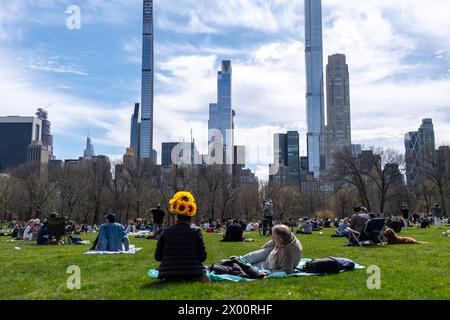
(180, 247)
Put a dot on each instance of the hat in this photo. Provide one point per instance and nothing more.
(183, 203)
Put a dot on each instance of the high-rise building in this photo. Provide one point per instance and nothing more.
(89, 152)
(185, 154)
(356, 150)
(146, 145)
(338, 129)
(16, 134)
(221, 119)
(135, 132)
(37, 156)
(286, 167)
(420, 149)
(239, 160)
(166, 153)
(412, 151)
(47, 138)
(314, 85)
(293, 155)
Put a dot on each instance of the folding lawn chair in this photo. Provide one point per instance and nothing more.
(57, 229)
(373, 232)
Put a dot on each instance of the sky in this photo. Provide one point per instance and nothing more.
(88, 79)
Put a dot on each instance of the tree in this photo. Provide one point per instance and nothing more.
(38, 189)
(348, 171)
(437, 172)
(386, 173)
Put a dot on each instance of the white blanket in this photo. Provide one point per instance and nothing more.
(132, 250)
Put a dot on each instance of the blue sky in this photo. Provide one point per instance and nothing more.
(398, 53)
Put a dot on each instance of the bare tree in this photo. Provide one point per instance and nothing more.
(348, 171)
(438, 174)
(38, 189)
(386, 173)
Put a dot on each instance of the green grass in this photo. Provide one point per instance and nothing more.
(407, 272)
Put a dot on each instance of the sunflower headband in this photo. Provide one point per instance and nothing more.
(183, 203)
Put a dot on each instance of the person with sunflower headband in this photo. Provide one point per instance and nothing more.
(180, 248)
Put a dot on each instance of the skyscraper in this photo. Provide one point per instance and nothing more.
(146, 145)
(16, 134)
(338, 129)
(293, 155)
(314, 84)
(420, 150)
(135, 130)
(221, 114)
(89, 151)
(47, 137)
(286, 159)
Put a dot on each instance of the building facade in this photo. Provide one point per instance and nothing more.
(146, 138)
(16, 134)
(47, 137)
(135, 131)
(221, 119)
(286, 168)
(89, 152)
(338, 129)
(314, 85)
(420, 149)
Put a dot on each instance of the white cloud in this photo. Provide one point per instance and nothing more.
(391, 89)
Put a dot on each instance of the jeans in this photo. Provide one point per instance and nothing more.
(437, 222)
(156, 228)
(267, 226)
(258, 258)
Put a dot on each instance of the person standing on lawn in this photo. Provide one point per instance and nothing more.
(437, 215)
(180, 248)
(405, 215)
(158, 219)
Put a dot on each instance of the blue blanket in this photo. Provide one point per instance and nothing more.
(226, 277)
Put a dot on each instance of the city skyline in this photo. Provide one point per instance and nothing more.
(267, 66)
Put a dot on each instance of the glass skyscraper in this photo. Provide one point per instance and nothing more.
(135, 130)
(314, 83)
(221, 116)
(146, 145)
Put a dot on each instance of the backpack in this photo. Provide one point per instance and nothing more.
(328, 265)
(321, 266)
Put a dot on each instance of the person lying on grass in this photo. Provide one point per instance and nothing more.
(180, 248)
(282, 254)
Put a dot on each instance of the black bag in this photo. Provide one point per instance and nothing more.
(322, 266)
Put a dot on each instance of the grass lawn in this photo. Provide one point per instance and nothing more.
(407, 272)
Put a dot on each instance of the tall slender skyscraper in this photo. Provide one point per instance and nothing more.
(338, 129)
(89, 152)
(135, 130)
(314, 83)
(47, 137)
(146, 145)
(221, 115)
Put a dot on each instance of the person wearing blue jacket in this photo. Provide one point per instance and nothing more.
(112, 236)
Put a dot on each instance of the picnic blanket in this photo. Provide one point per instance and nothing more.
(226, 277)
(132, 250)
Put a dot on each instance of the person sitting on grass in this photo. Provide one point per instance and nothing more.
(305, 227)
(234, 233)
(343, 229)
(180, 248)
(282, 254)
(112, 236)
